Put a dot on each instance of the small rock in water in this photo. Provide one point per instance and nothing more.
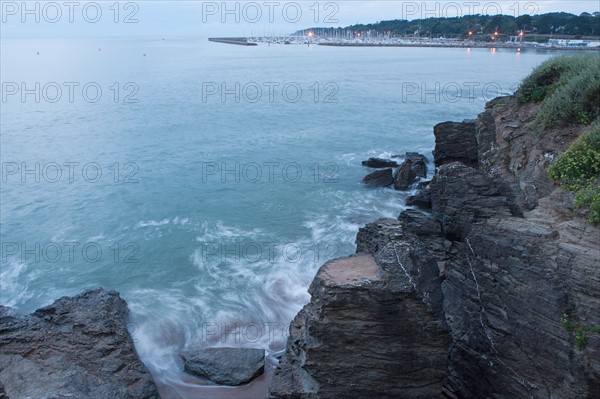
(225, 366)
(379, 163)
(404, 176)
(380, 178)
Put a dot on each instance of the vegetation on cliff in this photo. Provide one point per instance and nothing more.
(580, 330)
(568, 89)
(484, 26)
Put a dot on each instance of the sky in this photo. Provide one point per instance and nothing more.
(77, 18)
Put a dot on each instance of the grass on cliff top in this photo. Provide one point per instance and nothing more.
(578, 170)
(568, 88)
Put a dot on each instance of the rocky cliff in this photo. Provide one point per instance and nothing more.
(78, 347)
(464, 296)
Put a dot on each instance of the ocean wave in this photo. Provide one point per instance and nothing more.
(15, 283)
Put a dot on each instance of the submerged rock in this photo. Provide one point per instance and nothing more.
(225, 366)
(78, 347)
(380, 178)
(379, 163)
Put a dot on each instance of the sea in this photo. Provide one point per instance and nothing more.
(208, 182)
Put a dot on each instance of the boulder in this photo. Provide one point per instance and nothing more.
(78, 347)
(225, 366)
(380, 178)
(379, 163)
(404, 176)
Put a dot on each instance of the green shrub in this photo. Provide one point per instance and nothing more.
(578, 170)
(580, 330)
(568, 88)
(577, 100)
(542, 80)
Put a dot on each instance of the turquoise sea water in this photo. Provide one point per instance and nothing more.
(208, 182)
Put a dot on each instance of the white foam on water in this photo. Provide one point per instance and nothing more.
(15, 283)
(153, 223)
(241, 302)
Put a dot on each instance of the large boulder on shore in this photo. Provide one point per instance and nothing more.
(225, 366)
(78, 347)
(380, 178)
(379, 163)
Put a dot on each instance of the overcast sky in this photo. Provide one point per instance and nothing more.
(73, 18)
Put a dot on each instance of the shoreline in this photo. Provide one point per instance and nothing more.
(457, 46)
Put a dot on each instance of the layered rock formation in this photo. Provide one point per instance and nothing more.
(364, 308)
(462, 298)
(78, 347)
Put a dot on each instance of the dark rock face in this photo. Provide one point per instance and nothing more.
(379, 163)
(380, 178)
(510, 256)
(225, 366)
(374, 326)
(455, 142)
(422, 200)
(77, 347)
(518, 259)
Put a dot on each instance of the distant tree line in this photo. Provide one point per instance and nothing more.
(559, 23)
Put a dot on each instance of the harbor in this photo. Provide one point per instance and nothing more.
(311, 39)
